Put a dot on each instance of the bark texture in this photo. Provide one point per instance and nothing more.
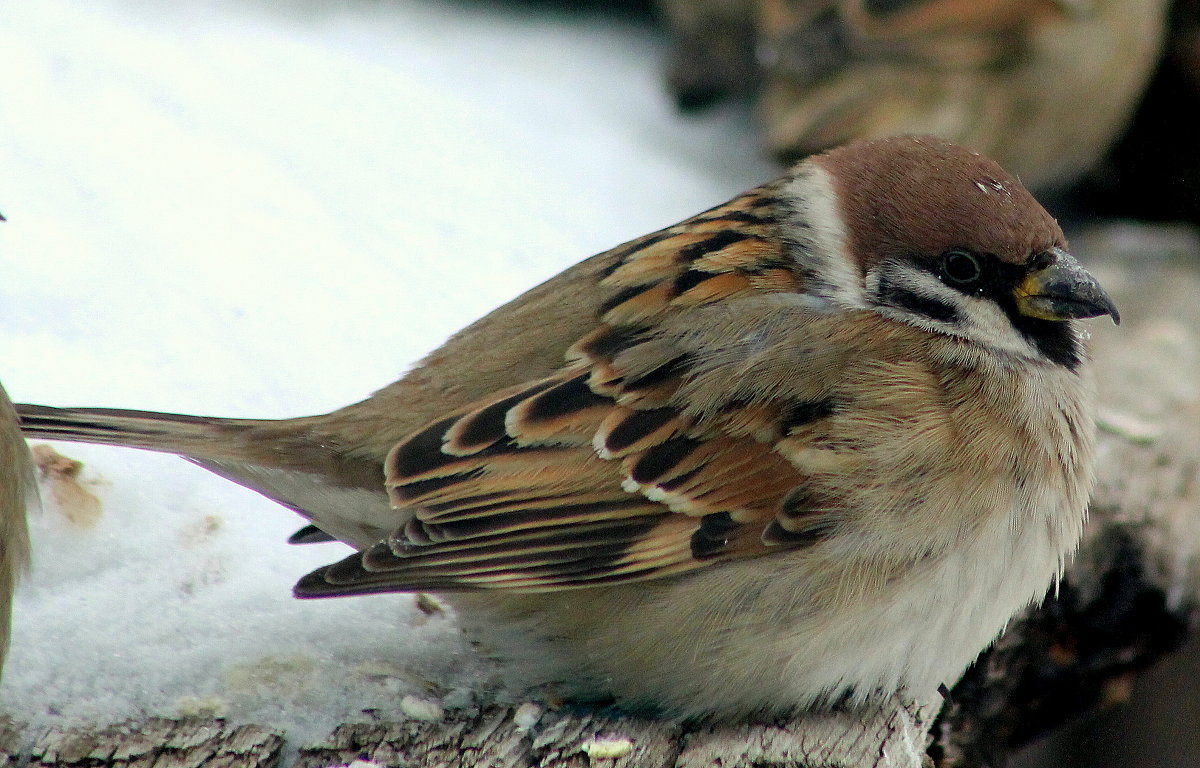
(148, 743)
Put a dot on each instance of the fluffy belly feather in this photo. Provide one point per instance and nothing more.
(781, 633)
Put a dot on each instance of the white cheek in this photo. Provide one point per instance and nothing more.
(985, 323)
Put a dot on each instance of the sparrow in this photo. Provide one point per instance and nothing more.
(815, 444)
(1012, 78)
(1153, 172)
(18, 494)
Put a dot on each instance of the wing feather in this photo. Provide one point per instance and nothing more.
(598, 474)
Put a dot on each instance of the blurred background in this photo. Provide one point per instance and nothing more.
(1088, 97)
(257, 208)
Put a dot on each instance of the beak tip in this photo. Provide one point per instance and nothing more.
(1112, 310)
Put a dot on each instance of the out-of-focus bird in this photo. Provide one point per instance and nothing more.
(820, 441)
(1043, 86)
(1153, 172)
(17, 494)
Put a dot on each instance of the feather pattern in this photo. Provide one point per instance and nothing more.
(844, 461)
(596, 474)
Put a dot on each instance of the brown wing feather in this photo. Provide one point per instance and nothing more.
(595, 475)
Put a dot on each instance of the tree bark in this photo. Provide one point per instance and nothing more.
(148, 743)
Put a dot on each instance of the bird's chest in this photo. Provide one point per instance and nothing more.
(959, 522)
(956, 508)
(929, 464)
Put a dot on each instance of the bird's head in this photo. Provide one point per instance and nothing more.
(930, 233)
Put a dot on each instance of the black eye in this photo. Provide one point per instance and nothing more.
(961, 267)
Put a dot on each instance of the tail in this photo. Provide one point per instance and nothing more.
(196, 437)
(18, 493)
(304, 463)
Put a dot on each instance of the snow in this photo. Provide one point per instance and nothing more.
(246, 208)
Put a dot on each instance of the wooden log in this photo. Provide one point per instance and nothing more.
(159, 743)
(11, 742)
(891, 735)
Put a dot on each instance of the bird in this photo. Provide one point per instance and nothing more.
(18, 494)
(1009, 78)
(813, 446)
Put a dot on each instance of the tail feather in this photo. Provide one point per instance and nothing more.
(310, 534)
(197, 437)
(299, 463)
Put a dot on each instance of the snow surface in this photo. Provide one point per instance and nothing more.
(247, 208)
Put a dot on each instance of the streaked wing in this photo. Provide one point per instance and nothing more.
(599, 473)
(514, 494)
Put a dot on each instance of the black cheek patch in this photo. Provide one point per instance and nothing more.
(1054, 339)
